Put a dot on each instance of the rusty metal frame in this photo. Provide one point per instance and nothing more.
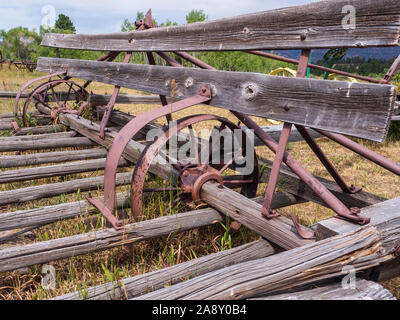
(122, 139)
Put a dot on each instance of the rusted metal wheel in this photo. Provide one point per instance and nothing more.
(193, 172)
(58, 95)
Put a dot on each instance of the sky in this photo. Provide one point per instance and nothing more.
(106, 16)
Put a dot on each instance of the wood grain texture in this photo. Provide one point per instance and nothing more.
(55, 170)
(50, 157)
(47, 136)
(40, 129)
(46, 144)
(137, 285)
(44, 215)
(362, 248)
(55, 189)
(377, 24)
(379, 213)
(364, 290)
(357, 109)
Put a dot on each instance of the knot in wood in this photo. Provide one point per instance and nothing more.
(250, 91)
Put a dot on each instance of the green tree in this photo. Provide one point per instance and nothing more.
(196, 16)
(64, 23)
(19, 43)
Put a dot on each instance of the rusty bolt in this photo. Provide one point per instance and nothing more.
(246, 30)
(303, 36)
(286, 107)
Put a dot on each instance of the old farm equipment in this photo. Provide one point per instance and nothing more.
(307, 107)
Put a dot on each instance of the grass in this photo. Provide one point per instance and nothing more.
(79, 273)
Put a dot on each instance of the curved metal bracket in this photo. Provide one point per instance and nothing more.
(124, 136)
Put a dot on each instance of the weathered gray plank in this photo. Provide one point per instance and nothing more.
(55, 189)
(137, 285)
(362, 248)
(46, 136)
(21, 256)
(321, 22)
(50, 157)
(40, 129)
(44, 215)
(357, 109)
(55, 170)
(46, 144)
(240, 208)
(364, 290)
(379, 213)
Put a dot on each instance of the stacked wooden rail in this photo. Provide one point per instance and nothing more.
(254, 270)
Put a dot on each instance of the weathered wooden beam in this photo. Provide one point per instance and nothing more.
(40, 129)
(55, 189)
(364, 290)
(12, 95)
(379, 213)
(50, 157)
(315, 25)
(46, 144)
(47, 136)
(239, 208)
(102, 100)
(137, 285)
(26, 255)
(357, 109)
(121, 118)
(21, 256)
(55, 170)
(45, 215)
(361, 249)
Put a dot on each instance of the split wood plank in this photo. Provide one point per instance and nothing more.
(22, 256)
(51, 157)
(357, 109)
(56, 189)
(362, 248)
(137, 285)
(46, 144)
(321, 23)
(40, 129)
(55, 170)
(364, 290)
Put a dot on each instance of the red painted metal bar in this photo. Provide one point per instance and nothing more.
(334, 203)
(283, 141)
(276, 166)
(314, 66)
(325, 161)
(121, 141)
(362, 151)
